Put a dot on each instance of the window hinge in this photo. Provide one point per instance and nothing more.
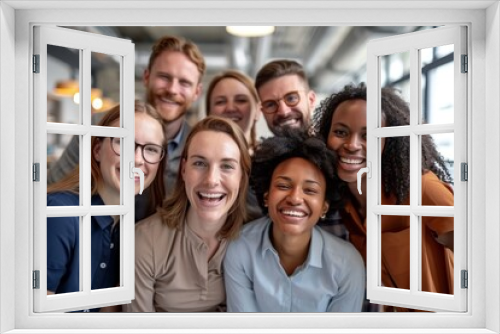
(36, 279)
(36, 172)
(465, 64)
(465, 279)
(36, 63)
(464, 172)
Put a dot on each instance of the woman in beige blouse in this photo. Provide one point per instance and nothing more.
(179, 250)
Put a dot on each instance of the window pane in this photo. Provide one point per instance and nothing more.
(395, 173)
(395, 260)
(63, 88)
(63, 254)
(437, 93)
(444, 144)
(105, 258)
(105, 92)
(58, 163)
(395, 74)
(437, 260)
(106, 159)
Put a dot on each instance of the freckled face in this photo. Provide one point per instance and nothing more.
(296, 197)
(212, 175)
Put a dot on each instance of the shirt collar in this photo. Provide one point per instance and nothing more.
(177, 139)
(315, 248)
(103, 221)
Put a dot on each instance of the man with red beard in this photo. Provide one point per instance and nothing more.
(173, 82)
(285, 97)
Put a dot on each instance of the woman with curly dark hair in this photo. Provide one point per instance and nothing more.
(341, 122)
(283, 262)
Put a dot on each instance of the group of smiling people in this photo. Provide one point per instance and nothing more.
(201, 252)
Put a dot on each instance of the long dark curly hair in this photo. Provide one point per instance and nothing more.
(396, 154)
(294, 143)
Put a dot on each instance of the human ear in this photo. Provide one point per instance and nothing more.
(266, 195)
(97, 150)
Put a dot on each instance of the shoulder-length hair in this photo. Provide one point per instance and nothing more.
(248, 83)
(71, 182)
(174, 209)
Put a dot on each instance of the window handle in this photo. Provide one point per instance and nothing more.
(139, 171)
(367, 170)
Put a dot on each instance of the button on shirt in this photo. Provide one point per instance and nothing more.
(63, 244)
(332, 279)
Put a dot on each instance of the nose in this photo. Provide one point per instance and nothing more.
(283, 109)
(294, 196)
(172, 86)
(139, 159)
(353, 143)
(230, 106)
(212, 177)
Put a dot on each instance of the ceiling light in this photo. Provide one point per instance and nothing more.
(250, 31)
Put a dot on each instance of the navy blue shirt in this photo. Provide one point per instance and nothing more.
(63, 245)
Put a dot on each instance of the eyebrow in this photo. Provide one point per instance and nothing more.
(196, 156)
(286, 178)
(346, 126)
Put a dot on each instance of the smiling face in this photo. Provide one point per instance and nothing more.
(172, 84)
(212, 174)
(231, 99)
(296, 197)
(298, 116)
(147, 131)
(347, 137)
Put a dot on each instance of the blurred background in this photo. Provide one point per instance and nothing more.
(332, 56)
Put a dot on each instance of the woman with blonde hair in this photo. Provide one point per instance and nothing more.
(63, 232)
(179, 250)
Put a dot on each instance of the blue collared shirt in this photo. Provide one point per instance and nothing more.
(63, 244)
(332, 279)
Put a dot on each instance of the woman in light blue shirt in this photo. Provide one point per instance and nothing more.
(283, 262)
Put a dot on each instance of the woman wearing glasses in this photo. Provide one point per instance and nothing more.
(179, 250)
(63, 232)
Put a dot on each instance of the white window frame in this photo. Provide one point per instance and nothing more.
(85, 43)
(483, 21)
(413, 43)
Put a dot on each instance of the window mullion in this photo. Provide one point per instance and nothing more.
(415, 79)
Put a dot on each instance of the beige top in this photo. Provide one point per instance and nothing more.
(171, 270)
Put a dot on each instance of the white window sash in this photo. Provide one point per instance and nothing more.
(85, 43)
(414, 298)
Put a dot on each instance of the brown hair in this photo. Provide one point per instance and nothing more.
(279, 68)
(174, 209)
(248, 83)
(71, 182)
(178, 44)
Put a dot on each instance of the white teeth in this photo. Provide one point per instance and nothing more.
(294, 213)
(288, 122)
(351, 161)
(208, 195)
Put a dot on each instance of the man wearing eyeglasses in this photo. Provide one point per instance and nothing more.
(286, 99)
